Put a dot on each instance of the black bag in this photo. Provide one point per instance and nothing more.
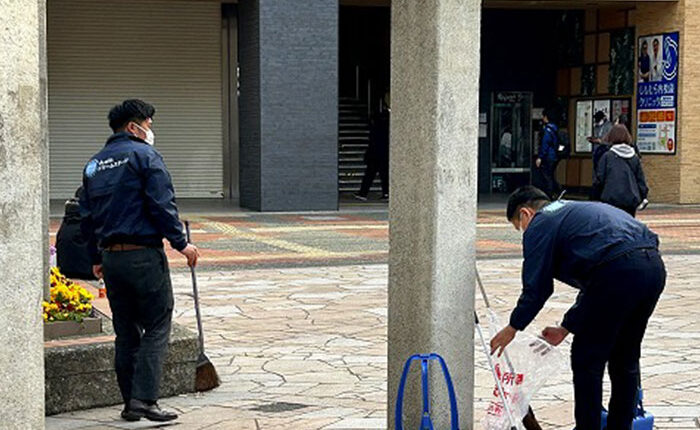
(71, 246)
(563, 144)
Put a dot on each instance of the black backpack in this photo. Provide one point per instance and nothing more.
(563, 144)
(71, 246)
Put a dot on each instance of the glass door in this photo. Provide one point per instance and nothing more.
(511, 140)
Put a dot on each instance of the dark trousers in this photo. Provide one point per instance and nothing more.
(374, 167)
(141, 298)
(549, 180)
(617, 307)
(632, 211)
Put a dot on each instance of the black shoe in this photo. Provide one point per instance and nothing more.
(151, 412)
(128, 415)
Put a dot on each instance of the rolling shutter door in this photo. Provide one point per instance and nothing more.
(167, 53)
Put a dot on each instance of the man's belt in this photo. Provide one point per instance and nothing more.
(124, 247)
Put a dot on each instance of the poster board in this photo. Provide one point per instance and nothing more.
(602, 106)
(657, 93)
(584, 125)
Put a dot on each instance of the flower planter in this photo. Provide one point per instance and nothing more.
(57, 329)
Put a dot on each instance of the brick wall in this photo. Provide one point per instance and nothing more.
(690, 99)
(249, 103)
(663, 172)
(289, 119)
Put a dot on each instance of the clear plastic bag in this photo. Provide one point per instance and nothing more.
(523, 369)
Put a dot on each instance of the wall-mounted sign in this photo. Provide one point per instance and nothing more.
(584, 125)
(657, 93)
(602, 106)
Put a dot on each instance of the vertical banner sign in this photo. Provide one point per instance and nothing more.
(657, 93)
(584, 125)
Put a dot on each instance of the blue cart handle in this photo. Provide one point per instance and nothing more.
(426, 421)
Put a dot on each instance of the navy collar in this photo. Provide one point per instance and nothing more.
(124, 135)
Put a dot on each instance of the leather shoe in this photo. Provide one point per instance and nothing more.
(151, 412)
(128, 415)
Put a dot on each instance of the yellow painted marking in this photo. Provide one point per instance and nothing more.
(283, 244)
(319, 228)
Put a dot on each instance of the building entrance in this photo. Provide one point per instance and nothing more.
(511, 140)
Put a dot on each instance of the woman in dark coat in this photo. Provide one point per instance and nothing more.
(619, 178)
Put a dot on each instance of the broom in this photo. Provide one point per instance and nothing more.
(529, 421)
(207, 378)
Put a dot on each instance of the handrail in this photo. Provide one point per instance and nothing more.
(369, 98)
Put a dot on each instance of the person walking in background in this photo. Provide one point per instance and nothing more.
(599, 140)
(377, 154)
(546, 161)
(127, 208)
(619, 177)
(600, 130)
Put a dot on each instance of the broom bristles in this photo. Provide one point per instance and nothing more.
(207, 378)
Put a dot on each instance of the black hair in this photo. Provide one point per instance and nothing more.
(599, 115)
(552, 114)
(129, 110)
(525, 196)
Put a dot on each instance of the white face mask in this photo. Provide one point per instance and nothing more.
(150, 136)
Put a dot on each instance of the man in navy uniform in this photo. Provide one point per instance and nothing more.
(613, 260)
(128, 207)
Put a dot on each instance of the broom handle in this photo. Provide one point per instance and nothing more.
(488, 306)
(195, 295)
(501, 392)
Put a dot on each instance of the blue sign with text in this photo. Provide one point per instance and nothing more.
(657, 86)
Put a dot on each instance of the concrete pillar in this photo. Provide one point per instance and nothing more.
(23, 161)
(434, 132)
(288, 54)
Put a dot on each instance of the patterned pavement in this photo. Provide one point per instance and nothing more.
(259, 240)
(295, 317)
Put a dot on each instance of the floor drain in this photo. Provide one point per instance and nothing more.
(279, 407)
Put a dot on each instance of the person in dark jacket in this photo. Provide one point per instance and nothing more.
(377, 154)
(128, 208)
(614, 262)
(546, 161)
(619, 177)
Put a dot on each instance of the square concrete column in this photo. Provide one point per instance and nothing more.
(434, 133)
(23, 212)
(288, 103)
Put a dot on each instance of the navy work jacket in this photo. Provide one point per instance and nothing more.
(549, 143)
(568, 241)
(128, 197)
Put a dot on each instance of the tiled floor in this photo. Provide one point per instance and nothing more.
(295, 318)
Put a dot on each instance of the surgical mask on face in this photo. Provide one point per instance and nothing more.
(150, 136)
(520, 223)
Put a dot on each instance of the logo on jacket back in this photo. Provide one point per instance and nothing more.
(554, 206)
(91, 168)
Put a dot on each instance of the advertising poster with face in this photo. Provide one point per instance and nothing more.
(657, 93)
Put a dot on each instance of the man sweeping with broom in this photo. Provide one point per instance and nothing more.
(128, 207)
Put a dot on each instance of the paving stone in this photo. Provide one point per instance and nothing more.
(295, 334)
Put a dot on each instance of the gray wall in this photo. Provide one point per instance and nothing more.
(288, 54)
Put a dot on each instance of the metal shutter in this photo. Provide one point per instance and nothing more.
(165, 52)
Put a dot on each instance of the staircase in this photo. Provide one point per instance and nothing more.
(353, 139)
